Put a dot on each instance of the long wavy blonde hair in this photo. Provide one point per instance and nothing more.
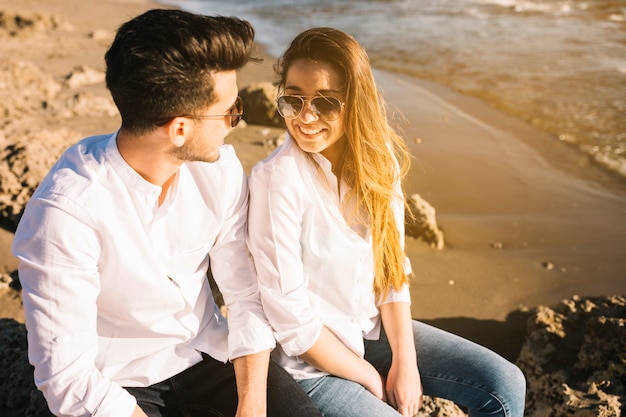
(375, 155)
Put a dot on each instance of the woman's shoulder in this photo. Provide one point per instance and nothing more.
(285, 161)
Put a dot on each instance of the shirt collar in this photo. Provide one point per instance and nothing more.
(128, 174)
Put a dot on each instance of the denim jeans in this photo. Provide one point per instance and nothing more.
(450, 367)
(208, 389)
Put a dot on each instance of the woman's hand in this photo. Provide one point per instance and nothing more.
(404, 389)
(404, 385)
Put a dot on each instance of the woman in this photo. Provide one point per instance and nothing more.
(327, 235)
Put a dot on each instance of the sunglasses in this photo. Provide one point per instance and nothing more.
(326, 108)
(235, 113)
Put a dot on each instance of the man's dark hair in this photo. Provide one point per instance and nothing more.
(160, 63)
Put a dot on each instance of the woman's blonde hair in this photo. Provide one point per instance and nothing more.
(375, 155)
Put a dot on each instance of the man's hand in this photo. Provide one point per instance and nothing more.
(138, 412)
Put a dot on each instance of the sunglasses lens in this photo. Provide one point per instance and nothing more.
(236, 112)
(290, 106)
(328, 108)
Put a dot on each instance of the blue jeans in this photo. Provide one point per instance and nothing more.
(450, 367)
(208, 389)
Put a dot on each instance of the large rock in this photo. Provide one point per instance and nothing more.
(421, 222)
(259, 105)
(25, 89)
(18, 395)
(574, 358)
(24, 161)
(28, 24)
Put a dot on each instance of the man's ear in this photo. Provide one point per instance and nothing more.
(179, 129)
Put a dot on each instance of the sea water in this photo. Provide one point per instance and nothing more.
(558, 65)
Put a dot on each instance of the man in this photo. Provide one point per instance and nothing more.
(115, 244)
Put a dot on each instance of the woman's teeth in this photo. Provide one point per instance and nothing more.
(308, 131)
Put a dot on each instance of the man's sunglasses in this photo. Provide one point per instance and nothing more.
(326, 108)
(235, 113)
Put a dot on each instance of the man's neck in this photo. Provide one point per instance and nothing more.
(147, 155)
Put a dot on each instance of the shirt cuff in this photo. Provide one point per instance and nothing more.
(250, 340)
(117, 403)
(394, 296)
(295, 343)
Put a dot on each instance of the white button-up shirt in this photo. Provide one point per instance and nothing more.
(313, 267)
(114, 285)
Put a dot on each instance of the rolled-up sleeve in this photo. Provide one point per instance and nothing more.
(277, 207)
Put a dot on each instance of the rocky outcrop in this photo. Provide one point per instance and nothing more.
(421, 222)
(26, 24)
(24, 161)
(259, 105)
(574, 358)
(18, 395)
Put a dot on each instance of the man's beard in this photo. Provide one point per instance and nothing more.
(189, 152)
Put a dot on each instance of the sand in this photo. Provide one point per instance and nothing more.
(525, 222)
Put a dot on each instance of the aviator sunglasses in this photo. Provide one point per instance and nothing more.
(326, 108)
(235, 113)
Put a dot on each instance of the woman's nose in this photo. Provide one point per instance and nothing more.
(308, 114)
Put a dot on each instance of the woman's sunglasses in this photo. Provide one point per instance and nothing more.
(326, 108)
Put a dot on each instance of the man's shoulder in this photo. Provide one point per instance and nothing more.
(77, 168)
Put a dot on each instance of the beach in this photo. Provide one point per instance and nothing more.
(521, 227)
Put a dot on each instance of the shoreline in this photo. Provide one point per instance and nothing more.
(560, 155)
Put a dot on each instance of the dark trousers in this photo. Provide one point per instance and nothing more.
(208, 389)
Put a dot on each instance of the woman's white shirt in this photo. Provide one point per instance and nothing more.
(314, 268)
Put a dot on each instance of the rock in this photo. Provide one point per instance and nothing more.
(5, 281)
(84, 75)
(18, 394)
(420, 222)
(24, 164)
(259, 105)
(25, 89)
(102, 36)
(28, 24)
(437, 407)
(574, 358)
(85, 104)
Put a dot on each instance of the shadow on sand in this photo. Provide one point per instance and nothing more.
(504, 337)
